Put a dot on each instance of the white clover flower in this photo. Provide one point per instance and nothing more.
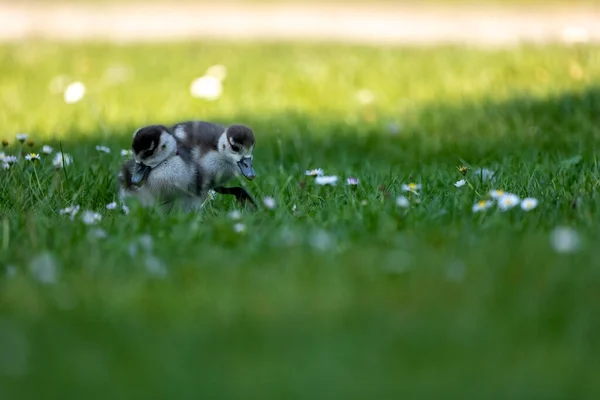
(508, 201)
(314, 172)
(460, 183)
(565, 240)
(74, 92)
(60, 159)
(103, 149)
(239, 227)
(269, 202)
(411, 187)
(126, 153)
(206, 87)
(47, 149)
(401, 201)
(352, 181)
(22, 137)
(91, 217)
(496, 194)
(529, 204)
(326, 180)
(32, 157)
(234, 215)
(111, 206)
(482, 205)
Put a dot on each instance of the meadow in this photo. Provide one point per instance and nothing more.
(339, 291)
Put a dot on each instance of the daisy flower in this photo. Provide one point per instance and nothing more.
(564, 240)
(10, 159)
(482, 205)
(125, 152)
(326, 180)
(22, 137)
(496, 194)
(239, 227)
(103, 149)
(234, 215)
(484, 173)
(411, 187)
(32, 157)
(60, 159)
(460, 183)
(5, 165)
(90, 217)
(508, 201)
(47, 149)
(74, 92)
(71, 211)
(111, 206)
(402, 201)
(352, 181)
(269, 202)
(314, 172)
(529, 204)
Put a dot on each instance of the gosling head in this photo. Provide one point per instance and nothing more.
(237, 144)
(151, 146)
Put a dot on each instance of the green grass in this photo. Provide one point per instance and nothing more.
(350, 296)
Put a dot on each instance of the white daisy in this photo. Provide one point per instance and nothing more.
(74, 92)
(206, 87)
(22, 137)
(482, 205)
(103, 149)
(10, 159)
(411, 187)
(496, 194)
(401, 201)
(460, 183)
(365, 96)
(269, 202)
(61, 159)
(239, 227)
(529, 204)
(47, 149)
(126, 153)
(71, 211)
(218, 71)
(90, 217)
(352, 181)
(326, 180)
(314, 172)
(235, 215)
(32, 157)
(111, 206)
(508, 201)
(565, 240)
(483, 173)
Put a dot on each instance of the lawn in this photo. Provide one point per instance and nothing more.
(346, 296)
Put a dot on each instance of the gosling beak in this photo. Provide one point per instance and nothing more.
(140, 173)
(245, 165)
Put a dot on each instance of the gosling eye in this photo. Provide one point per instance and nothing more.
(235, 148)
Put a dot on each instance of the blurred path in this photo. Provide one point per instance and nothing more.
(349, 23)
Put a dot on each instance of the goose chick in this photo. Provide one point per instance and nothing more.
(223, 153)
(161, 172)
